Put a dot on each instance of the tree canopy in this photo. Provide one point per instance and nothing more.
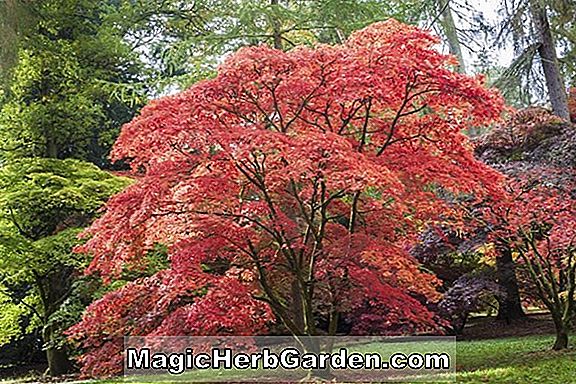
(287, 180)
(44, 203)
(304, 167)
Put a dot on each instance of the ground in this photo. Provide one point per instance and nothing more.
(492, 352)
(514, 360)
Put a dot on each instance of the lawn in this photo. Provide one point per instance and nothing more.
(525, 359)
(513, 360)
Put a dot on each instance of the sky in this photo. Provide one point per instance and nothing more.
(489, 8)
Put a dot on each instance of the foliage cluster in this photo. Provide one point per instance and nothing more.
(44, 203)
(288, 189)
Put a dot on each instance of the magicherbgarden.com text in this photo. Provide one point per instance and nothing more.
(288, 358)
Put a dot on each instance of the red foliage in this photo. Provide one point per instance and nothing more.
(293, 183)
(572, 104)
(544, 200)
(540, 194)
(538, 222)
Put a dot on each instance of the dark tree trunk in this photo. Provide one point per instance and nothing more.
(312, 345)
(54, 288)
(561, 341)
(547, 52)
(51, 148)
(460, 324)
(58, 361)
(297, 306)
(510, 307)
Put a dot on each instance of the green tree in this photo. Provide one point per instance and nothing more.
(44, 203)
(529, 25)
(563, 24)
(185, 41)
(66, 95)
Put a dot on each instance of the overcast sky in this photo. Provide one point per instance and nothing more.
(489, 9)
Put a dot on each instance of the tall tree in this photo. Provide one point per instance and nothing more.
(549, 59)
(462, 26)
(191, 38)
(15, 17)
(563, 24)
(451, 33)
(60, 102)
(528, 23)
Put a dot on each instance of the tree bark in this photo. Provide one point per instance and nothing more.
(58, 361)
(312, 345)
(51, 148)
(297, 306)
(561, 341)
(53, 290)
(277, 35)
(547, 52)
(449, 28)
(510, 306)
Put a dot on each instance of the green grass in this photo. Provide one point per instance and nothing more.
(514, 360)
(384, 349)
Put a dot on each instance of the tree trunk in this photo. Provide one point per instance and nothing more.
(297, 306)
(51, 148)
(277, 35)
(449, 28)
(460, 325)
(58, 361)
(547, 52)
(510, 307)
(561, 341)
(312, 345)
(53, 289)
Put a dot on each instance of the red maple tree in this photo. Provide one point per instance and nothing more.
(288, 189)
(537, 222)
(536, 219)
